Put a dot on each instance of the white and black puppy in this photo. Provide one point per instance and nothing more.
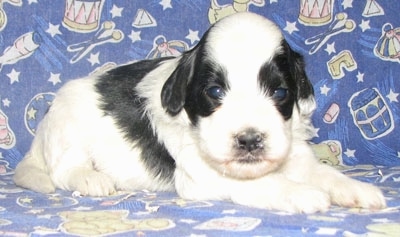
(229, 119)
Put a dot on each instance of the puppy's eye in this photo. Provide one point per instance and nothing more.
(215, 92)
(280, 94)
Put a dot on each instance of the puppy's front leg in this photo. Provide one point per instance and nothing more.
(276, 192)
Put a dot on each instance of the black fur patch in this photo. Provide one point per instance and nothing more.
(120, 100)
(286, 70)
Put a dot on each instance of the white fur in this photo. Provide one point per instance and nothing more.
(77, 148)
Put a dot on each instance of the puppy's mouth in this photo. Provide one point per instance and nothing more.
(249, 166)
(249, 159)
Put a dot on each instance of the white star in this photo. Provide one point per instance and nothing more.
(94, 58)
(32, 1)
(347, 4)
(188, 221)
(325, 90)
(6, 102)
(350, 153)
(166, 4)
(231, 211)
(330, 48)
(193, 36)
(13, 75)
(360, 77)
(273, 1)
(81, 208)
(392, 96)
(291, 27)
(47, 216)
(54, 78)
(135, 36)
(116, 11)
(381, 220)
(53, 30)
(315, 132)
(398, 154)
(364, 25)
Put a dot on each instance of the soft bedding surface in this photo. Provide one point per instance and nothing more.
(144, 213)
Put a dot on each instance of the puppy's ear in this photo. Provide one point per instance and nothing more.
(173, 93)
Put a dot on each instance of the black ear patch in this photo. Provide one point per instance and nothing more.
(174, 91)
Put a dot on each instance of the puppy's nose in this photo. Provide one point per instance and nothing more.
(250, 140)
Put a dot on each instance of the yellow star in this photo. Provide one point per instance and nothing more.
(31, 113)
(26, 200)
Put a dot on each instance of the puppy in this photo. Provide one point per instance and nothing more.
(229, 119)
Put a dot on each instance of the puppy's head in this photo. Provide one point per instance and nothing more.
(246, 94)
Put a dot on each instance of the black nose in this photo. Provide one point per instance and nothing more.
(250, 140)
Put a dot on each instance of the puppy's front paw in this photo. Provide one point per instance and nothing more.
(353, 193)
(91, 183)
(305, 199)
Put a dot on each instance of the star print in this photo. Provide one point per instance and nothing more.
(54, 78)
(31, 113)
(347, 4)
(135, 36)
(166, 4)
(364, 25)
(232, 211)
(47, 216)
(360, 77)
(291, 27)
(6, 102)
(32, 1)
(315, 132)
(94, 58)
(188, 221)
(392, 96)
(53, 30)
(350, 153)
(81, 208)
(14, 76)
(193, 36)
(330, 48)
(273, 1)
(35, 211)
(26, 200)
(325, 90)
(381, 220)
(398, 154)
(116, 11)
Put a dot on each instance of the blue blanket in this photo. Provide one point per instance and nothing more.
(352, 51)
(144, 213)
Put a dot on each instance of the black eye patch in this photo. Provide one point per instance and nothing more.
(276, 82)
(206, 90)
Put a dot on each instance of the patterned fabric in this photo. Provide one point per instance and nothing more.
(352, 51)
(145, 213)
